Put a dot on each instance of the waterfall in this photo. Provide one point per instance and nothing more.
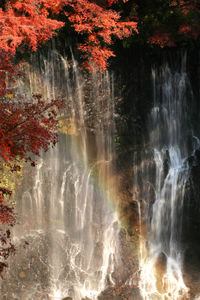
(164, 173)
(65, 207)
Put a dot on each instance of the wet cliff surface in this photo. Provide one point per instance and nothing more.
(89, 210)
(138, 159)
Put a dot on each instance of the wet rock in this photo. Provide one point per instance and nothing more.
(166, 163)
(197, 155)
(121, 292)
(161, 262)
(190, 160)
(160, 271)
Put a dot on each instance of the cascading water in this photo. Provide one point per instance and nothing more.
(161, 257)
(69, 240)
(65, 207)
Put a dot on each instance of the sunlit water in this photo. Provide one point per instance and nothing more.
(65, 207)
(161, 253)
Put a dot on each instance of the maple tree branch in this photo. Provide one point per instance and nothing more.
(21, 123)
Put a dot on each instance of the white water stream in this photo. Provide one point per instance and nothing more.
(161, 257)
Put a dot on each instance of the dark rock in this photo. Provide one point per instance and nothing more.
(197, 155)
(166, 163)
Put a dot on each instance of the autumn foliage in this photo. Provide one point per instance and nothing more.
(99, 25)
(27, 127)
(26, 23)
(30, 23)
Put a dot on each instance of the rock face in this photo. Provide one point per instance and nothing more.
(136, 92)
(121, 292)
(191, 232)
(133, 103)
